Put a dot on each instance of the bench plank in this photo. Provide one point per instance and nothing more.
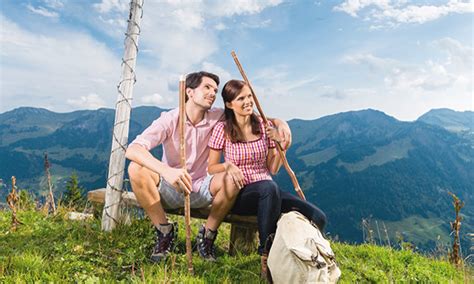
(129, 198)
(243, 232)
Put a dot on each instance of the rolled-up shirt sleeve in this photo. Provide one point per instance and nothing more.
(156, 133)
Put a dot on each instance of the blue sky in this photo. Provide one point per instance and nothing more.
(306, 59)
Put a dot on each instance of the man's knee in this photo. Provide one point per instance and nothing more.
(134, 170)
(141, 175)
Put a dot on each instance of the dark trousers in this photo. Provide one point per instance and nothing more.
(290, 202)
(261, 198)
(265, 200)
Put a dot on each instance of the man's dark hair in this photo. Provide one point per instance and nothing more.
(193, 80)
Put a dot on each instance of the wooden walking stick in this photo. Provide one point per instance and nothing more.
(279, 148)
(182, 148)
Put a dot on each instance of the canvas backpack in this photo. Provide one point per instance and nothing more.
(300, 253)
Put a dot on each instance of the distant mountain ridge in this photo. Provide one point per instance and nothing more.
(354, 165)
(451, 120)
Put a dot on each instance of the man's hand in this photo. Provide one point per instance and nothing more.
(273, 134)
(235, 173)
(286, 137)
(179, 178)
(284, 132)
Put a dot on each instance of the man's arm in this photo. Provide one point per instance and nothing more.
(175, 177)
(283, 130)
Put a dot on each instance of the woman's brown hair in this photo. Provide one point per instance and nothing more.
(230, 91)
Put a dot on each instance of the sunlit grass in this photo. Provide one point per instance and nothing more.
(54, 249)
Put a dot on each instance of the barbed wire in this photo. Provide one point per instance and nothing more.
(122, 145)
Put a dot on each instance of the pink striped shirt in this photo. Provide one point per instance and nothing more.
(250, 157)
(165, 130)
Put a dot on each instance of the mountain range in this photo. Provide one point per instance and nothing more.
(372, 174)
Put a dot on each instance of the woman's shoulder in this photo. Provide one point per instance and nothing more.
(219, 127)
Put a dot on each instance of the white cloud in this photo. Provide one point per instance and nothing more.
(112, 5)
(393, 12)
(120, 24)
(179, 35)
(42, 11)
(54, 4)
(257, 24)
(242, 7)
(276, 81)
(188, 19)
(52, 69)
(352, 7)
(459, 56)
(220, 27)
(223, 74)
(374, 63)
(91, 101)
(156, 99)
(410, 89)
(428, 76)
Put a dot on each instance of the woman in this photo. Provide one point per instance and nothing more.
(250, 157)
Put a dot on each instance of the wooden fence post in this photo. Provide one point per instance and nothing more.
(111, 214)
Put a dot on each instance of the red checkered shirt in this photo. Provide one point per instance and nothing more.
(250, 157)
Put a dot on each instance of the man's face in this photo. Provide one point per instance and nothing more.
(205, 94)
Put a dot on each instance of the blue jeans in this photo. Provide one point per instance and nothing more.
(261, 198)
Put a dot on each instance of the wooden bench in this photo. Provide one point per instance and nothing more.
(243, 230)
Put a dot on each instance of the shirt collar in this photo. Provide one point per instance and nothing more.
(203, 122)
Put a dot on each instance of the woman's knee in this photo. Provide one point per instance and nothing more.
(223, 185)
(270, 189)
(319, 217)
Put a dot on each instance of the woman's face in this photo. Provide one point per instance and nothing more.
(242, 104)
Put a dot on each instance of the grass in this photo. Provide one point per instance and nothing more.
(54, 249)
(417, 229)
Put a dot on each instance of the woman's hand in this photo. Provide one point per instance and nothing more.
(235, 174)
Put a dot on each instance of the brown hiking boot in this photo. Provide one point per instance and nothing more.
(265, 272)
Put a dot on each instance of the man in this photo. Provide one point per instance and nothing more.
(158, 184)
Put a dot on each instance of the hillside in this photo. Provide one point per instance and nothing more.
(78, 141)
(53, 249)
(354, 165)
(367, 165)
(449, 119)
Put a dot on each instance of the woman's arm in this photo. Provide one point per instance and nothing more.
(232, 170)
(274, 161)
(215, 166)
